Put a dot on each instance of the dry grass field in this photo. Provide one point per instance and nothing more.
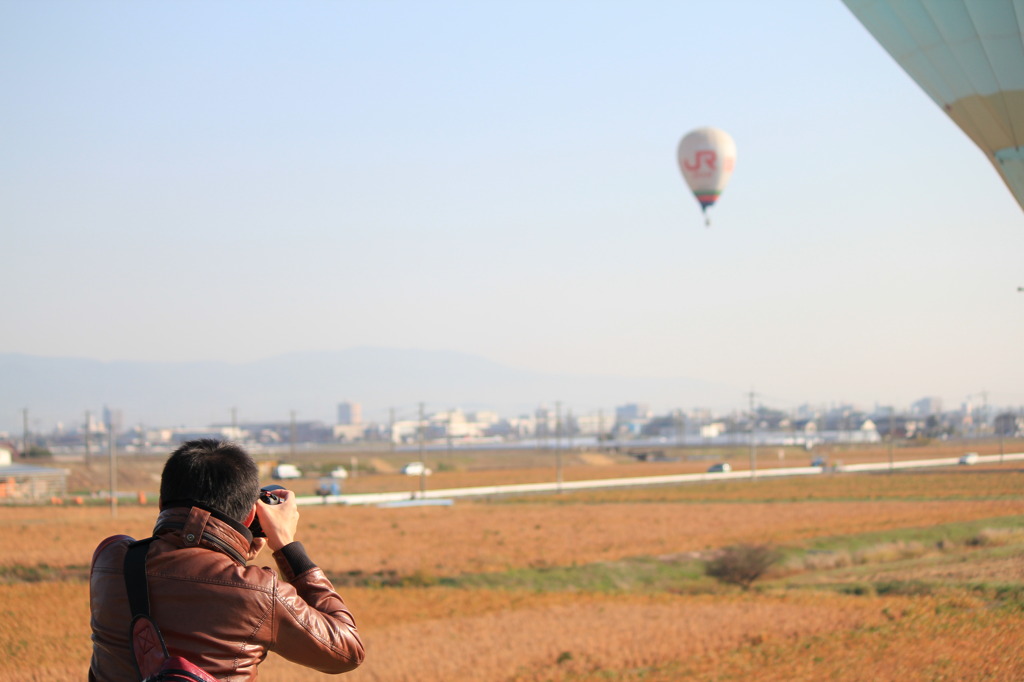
(908, 576)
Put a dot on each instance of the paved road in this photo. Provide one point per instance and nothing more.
(444, 496)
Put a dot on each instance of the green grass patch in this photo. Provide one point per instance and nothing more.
(641, 574)
(1005, 595)
(41, 573)
(957, 533)
(842, 563)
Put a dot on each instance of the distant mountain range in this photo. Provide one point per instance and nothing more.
(313, 383)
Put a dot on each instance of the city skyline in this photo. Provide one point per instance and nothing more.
(632, 424)
(390, 384)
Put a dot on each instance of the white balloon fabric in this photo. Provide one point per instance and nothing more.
(707, 157)
(968, 55)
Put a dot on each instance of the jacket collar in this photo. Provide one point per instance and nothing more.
(185, 524)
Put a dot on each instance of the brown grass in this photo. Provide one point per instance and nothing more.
(44, 631)
(926, 638)
(474, 538)
(554, 637)
(470, 635)
(981, 483)
(463, 635)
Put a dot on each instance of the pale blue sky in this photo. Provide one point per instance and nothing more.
(234, 180)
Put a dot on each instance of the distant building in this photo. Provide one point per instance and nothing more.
(350, 414)
(544, 422)
(405, 431)
(94, 425)
(112, 419)
(27, 483)
(712, 430)
(182, 434)
(484, 417)
(632, 412)
(592, 424)
(349, 433)
(925, 407)
(453, 424)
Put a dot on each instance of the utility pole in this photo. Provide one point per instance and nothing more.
(88, 458)
(112, 447)
(753, 436)
(541, 430)
(1001, 444)
(291, 435)
(24, 432)
(423, 464)
(984, 411)
(558, 444)
(448, 435)
(568, 428)
(680, 428)
(892, 437)
(391, 427)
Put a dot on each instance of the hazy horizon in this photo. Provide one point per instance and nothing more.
(383, 381)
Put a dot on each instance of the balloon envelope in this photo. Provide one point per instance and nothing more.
(707, 157)
(968, 55)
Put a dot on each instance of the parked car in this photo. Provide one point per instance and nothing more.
(285, 471)
(819, 462)
(416, 469)
(328, 486)
(969, 458)
(720, 468)
(339, 472)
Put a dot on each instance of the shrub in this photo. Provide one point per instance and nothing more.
(742, 564)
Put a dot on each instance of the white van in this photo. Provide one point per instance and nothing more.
(286, 471)
(416, 469)
(969, 458)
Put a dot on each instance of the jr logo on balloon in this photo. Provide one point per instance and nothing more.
(705, 157)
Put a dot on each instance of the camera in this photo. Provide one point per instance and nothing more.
(267, 496)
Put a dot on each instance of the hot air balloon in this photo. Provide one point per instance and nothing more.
(706, 158)
(968, 55)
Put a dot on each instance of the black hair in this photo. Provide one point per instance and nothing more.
(213, 474)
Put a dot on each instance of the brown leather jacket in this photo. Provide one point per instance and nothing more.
(214, 610)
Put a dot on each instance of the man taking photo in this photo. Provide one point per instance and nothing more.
(211, 608)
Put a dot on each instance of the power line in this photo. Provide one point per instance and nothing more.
(753, 435)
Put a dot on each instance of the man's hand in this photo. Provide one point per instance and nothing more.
(279, 521)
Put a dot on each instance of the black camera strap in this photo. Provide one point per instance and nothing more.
(146, 641)
(135, 577)
(153, 661)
